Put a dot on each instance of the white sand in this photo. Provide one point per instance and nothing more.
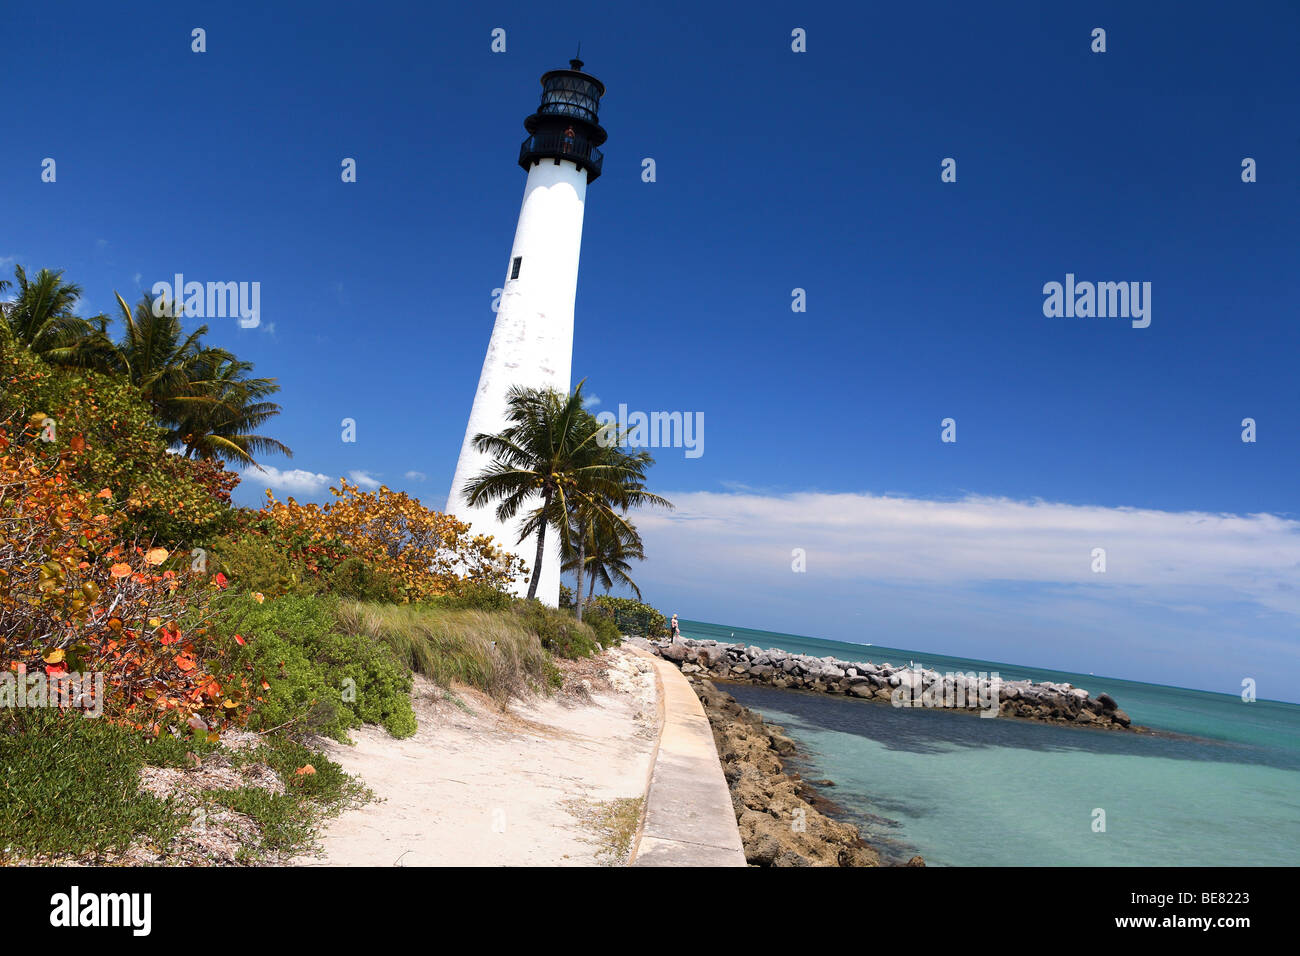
(497, 789)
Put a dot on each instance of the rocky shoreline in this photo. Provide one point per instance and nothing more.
(986, 694)
(777, 812)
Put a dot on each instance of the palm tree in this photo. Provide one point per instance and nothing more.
(42, 318)
(156, 356)
(598, 516)
(605, 553)
(222, 423)
(202, 395)
(551, 454)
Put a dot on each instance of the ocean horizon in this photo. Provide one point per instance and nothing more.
(1218, 783)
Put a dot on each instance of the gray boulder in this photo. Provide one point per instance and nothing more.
(674, 652)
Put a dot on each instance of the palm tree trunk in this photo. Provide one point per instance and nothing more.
(582, 554)
(541, 545)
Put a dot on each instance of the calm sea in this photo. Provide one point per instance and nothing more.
(1222, 788)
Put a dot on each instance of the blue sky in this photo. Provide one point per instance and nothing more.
(775, 170)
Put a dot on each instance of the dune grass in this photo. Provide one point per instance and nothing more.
(494, 652)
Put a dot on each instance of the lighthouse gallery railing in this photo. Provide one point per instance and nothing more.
(575, 148)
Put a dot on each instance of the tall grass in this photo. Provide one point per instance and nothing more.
(494, 652)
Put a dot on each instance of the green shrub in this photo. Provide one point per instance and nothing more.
(252, 563)
(320, 677)
(71, 785)
(602, 623)
(633, 617)
(474, 596)
(357, 580)
(559, 631)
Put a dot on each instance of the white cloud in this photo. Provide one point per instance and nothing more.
(1171, 558)
(590, 401)
(1188, 598)
(294, 481)
(364, 479)
(415, 476)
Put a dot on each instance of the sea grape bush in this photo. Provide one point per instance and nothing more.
(386, 539)
(159, 495)
(73, 597)
(632, 617)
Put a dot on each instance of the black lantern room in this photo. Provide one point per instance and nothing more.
(565, 126)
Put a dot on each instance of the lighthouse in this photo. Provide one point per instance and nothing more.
(532, 338)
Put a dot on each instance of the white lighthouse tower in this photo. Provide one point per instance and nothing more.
(532, 340)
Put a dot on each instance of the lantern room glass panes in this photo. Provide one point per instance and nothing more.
(571, 96)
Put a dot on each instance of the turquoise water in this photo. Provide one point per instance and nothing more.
(1222, 787)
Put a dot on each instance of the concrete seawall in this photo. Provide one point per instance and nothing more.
(689, 818)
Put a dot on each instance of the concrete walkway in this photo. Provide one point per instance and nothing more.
(689, 820)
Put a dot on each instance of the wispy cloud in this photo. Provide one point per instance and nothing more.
(981, 539)
(416, 476)
(365, 480)
(1187, 597)
(293, 481)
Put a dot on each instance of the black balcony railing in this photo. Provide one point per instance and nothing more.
(552, 145)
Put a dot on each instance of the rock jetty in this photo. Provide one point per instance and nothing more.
(778, 813)
(901, 685)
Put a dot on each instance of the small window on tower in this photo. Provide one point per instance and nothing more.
(514, 269)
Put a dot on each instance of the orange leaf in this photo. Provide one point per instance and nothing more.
(156, 555)
(120, 570)
(305, 771)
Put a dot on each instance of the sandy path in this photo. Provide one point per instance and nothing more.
(476, 786)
